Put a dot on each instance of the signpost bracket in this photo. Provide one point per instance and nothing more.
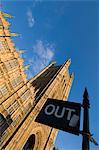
(90, 137)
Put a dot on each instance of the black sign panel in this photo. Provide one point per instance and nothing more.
(60, 114)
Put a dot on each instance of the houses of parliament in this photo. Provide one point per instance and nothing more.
(21, 99)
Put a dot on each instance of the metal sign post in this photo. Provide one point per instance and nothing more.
(85, 141)
(65, 115)
(86, 135)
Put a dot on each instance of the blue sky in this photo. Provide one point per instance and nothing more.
(56, 31)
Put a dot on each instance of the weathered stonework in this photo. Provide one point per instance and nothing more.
(21, 100)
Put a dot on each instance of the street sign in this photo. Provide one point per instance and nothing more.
(60, 114)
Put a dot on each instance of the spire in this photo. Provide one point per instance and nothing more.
(9, 35)
(72, 75)
(21, 51)
(3, 22)
(5, 14)
(4, 25)
(53, 62)
(26, 67)
(15, 34)
(67, 63)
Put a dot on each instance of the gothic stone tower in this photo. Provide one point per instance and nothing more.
(21, 100)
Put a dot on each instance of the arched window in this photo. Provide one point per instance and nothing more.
(3, 124)
(30, 143)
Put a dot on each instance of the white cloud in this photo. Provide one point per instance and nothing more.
(31, 20)
(43, 53)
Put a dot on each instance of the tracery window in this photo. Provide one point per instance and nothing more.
(25, 95)
(11, 64)
(4, 46)
(15, 82)
(16, 120)
(13, 107)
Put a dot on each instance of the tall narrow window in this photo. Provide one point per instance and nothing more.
(30, 143)
(3, 124)
(13, 107)
(48, 74)
(15, 82)
(25, 95)
(10, 110)
(3, 89)
(16, 120)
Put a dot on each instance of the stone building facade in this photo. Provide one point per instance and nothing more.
(21, 100)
